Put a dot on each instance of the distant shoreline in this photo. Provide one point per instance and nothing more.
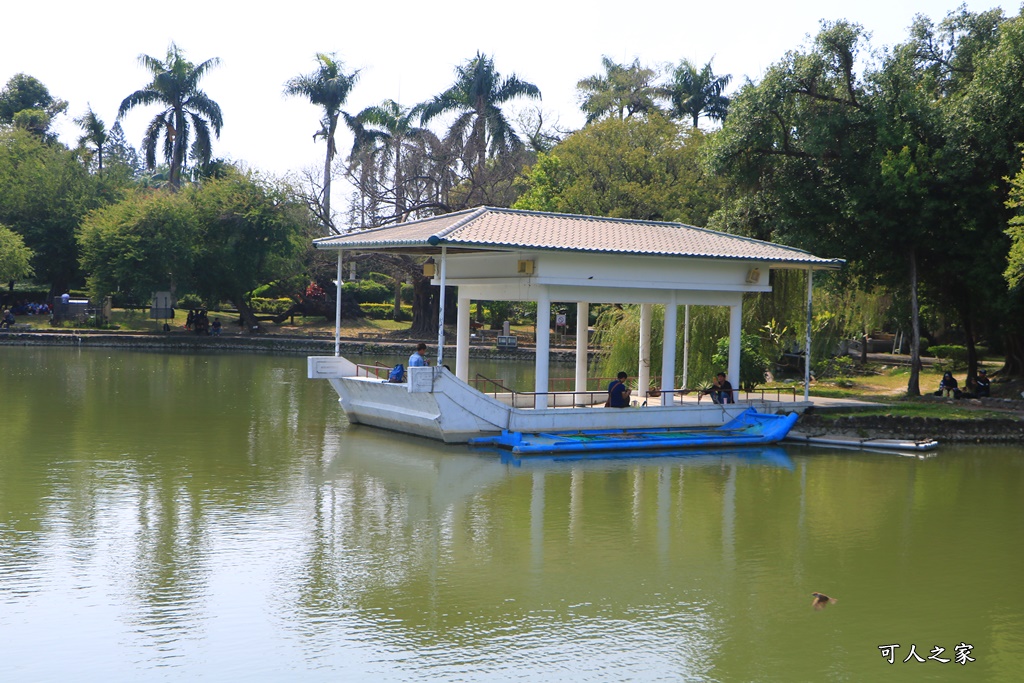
(258, 343)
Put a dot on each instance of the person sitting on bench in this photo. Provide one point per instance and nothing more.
(721, 390)
(618, 392)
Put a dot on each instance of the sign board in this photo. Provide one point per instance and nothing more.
(162, 307)
(560, 319)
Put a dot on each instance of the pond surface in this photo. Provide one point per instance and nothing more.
(214, 517)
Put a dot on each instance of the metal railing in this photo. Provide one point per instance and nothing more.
(376, 370)
(590, 397)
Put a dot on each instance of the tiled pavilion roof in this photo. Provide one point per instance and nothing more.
(487, 228)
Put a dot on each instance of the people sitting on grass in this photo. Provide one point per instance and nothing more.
(982, 385)
(7, 320)
(948, 386)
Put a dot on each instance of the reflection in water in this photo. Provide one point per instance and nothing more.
(215, 516)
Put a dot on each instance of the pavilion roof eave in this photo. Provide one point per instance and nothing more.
(433, 248)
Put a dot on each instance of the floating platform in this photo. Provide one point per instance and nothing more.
(918, 445)
(749, 428)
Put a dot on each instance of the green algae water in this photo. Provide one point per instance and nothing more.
(214, 517)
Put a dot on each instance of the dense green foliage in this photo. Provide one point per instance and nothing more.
(15, 257)
(145, 243)
(906, 162)
(900, 169)
(643, 168)
(45, 191)
(219, 240)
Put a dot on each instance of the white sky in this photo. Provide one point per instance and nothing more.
(86, 53)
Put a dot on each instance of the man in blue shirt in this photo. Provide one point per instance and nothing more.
(417, 359)
(618, 392)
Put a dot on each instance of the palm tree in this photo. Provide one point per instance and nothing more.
(692, 93)
(476, 97)
(382, 134)
(327, 87)
(95, 133)
(189, 115)
(623, 90)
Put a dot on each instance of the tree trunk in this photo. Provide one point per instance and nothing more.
(914, 383)
(249, 323)
(972, 350)
(423, 323)
(1013, 366)
(451, 301)
(328, 222)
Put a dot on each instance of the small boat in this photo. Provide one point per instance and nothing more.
(749, 428)
(918, 445)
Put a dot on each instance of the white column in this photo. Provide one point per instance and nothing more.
(643, 375)
(686, 346)
(462, 340)
(735, 328)
(668, 352)
(807, 342)
(582, 326)
(337, 310)
(440, 308)
(543, 348)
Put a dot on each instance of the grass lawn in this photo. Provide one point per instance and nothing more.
(888, 385)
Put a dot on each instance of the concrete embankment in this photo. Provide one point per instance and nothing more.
(989, 430)
(270, 343)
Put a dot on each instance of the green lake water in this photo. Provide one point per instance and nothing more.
(215, 517)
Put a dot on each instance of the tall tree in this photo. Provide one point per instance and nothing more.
(28, 104)
(44, 193)
(802, 150)
(95, 134)
(328, 87)
(189, 114)
(480, 124)
(622, 91)
(644, 168)
(251, 232)
(120, 151)
(694, 92)
(145, 243)
(384, 134)
(23, 93)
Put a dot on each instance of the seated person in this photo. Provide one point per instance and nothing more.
(418, 358)
(618, 392)
(8, 319)
(948, 386)
(983, 387)
(721, 390)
